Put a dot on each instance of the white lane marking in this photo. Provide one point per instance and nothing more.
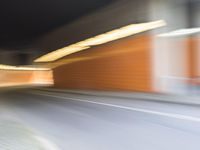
(46, 143)
(171, 115)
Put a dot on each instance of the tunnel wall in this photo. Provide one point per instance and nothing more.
(120, 65)
(177, 64)
(21, 78)
(194, 57)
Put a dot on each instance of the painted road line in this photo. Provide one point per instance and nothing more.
(170, 115)
(46, 144)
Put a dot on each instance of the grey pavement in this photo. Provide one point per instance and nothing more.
(87, 122)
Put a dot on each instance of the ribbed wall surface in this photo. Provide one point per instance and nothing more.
(120, 65)
(20, 78)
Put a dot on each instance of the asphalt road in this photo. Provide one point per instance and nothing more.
(87, 122)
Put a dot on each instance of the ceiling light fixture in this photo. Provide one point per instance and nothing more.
(101, 39)
(20, 68)
(181, 32)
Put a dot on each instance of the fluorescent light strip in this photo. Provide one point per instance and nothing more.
(8, 67)
(101, 39)
(180, 32)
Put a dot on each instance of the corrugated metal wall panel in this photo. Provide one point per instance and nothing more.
(121, 65)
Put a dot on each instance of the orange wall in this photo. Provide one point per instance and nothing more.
(193, 57)
(18, 78)
(183, 55)
(120, 65)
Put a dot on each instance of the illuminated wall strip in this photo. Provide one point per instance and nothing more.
(8, 67)
(180, 32)
(101, 39)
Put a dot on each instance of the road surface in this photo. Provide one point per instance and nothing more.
(73, 121)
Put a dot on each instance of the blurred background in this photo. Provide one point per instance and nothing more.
(100, 74)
